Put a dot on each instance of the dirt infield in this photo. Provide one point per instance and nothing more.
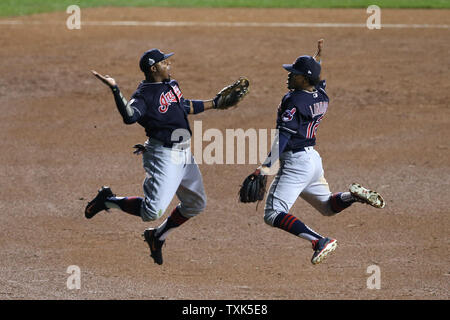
(387, 127)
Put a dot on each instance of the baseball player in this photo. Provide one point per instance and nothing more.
(300, 170)
(158, 105)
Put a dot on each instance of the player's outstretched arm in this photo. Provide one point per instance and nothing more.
(124, 108)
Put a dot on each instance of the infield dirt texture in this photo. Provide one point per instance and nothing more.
(388, 127)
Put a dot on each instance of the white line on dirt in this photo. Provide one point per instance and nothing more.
(229, 24)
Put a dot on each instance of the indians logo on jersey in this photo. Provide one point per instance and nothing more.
(288, 115)
(166, 98)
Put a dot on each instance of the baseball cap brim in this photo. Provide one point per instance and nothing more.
(168, 55)
(290, 68)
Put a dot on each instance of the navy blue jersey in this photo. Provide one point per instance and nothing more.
(299, 115)
(160, 108)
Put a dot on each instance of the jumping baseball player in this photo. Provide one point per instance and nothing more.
(158, 105)
(300, 170)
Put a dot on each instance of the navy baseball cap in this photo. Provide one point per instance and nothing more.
(151, 57)
(304, 65)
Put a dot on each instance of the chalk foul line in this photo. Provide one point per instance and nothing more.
(229, 24)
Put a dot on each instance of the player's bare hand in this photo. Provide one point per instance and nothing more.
(264, 170)
(318, 54)
(105, 79)
(319, 46)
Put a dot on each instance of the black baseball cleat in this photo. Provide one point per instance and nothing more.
(154, 244)
(98, 203)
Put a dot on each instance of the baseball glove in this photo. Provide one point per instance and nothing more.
(253, 188)
(232, 94)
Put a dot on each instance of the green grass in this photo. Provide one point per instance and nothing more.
(24, 7)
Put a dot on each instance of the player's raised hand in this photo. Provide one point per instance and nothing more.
(318, 54)
(105, 79)
(319, 45)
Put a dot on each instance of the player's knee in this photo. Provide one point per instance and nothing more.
(199, 204)
(269, 216)
(194, 206)
(202, 203)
